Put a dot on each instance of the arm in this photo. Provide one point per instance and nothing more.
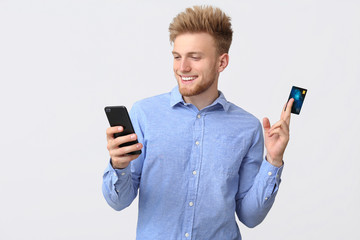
(259, 184)
(122, 176)
(118, 188)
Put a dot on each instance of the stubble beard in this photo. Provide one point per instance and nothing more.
(197, 89)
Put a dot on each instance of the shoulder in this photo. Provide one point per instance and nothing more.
(242, 116)
(147, 107)
(151, 103)
(245, 122)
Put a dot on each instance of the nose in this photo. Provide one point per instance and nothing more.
(185, 66)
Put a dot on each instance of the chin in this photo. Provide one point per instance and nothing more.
(187, 92)
(192, 91)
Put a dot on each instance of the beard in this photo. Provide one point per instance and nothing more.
(198, 88)
(195, 90)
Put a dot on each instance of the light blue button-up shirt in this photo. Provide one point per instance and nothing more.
(197, 168)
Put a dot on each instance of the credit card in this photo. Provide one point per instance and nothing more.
(298, 94)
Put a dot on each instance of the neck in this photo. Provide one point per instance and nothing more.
(204, 99)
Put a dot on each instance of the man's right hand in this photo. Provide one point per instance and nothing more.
(119, 156)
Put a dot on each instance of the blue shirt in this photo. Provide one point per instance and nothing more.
(197, 168)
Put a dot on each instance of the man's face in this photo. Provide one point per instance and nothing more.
(195, 63)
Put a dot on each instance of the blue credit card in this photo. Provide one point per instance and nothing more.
(298, 94)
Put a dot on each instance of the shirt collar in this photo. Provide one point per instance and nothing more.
(176, 98)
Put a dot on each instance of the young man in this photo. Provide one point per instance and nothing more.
(202, 156)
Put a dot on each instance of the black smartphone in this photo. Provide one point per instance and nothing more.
(119, 116)
(298, 94)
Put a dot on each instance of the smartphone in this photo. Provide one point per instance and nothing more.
(298, 94)
(119, 116)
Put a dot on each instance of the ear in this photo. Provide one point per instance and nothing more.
(223, 62)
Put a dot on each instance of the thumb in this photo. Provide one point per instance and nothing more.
(266, 124)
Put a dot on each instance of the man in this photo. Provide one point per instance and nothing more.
(202, 156)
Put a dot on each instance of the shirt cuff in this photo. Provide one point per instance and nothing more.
(118, 175)
(271, 175)
(270, 169)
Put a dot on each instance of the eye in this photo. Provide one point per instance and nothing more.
(196, 58)
(176, 57)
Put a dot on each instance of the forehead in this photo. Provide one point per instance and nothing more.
(194, 42)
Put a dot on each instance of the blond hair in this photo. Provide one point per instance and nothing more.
(204, 19)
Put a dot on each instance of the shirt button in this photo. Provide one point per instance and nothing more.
(117, 190)
(266, 198)
(191, 204)
(114, 174)
(186, 235)
(198, 116)
(197, 142)
(194, 172)
(269, 173)
(122, 174)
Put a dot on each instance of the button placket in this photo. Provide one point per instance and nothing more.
(194, 164)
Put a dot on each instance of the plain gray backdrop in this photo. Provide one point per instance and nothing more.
(62, 62)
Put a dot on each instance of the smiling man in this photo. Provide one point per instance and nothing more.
(202, 156)
(197, 65)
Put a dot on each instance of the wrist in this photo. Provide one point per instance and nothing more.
(276, 161)
(118, 165)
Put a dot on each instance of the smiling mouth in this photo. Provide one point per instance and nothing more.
(188, 78)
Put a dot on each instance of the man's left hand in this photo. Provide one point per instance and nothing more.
(277, 136)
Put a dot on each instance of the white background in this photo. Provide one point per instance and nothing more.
(62, 62)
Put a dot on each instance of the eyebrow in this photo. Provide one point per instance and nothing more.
(189, 53)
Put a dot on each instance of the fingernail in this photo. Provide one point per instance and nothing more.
(120, 128)
(137, 145)
(132, 136)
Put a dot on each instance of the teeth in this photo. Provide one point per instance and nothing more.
(188, 78)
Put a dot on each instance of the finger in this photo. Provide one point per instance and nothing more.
(282, 115)
(112, 130)
(280, 124)
(123, 151)
(276, 125)
(266, 124)
(279, 131)
(125, 139)
(113, 144)
(287, 114)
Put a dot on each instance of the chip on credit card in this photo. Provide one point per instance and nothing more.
(298, 94)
